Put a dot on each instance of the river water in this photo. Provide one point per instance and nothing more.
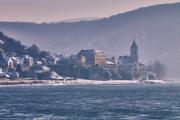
(96, 102)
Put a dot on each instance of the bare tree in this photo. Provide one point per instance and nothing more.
(159, 68)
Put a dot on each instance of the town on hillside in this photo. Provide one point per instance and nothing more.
(21, 62)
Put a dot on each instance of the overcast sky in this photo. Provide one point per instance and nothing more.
(59, 10)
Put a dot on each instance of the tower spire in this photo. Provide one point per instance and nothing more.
(134, 52)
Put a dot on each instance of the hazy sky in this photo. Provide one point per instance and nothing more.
(58, 10)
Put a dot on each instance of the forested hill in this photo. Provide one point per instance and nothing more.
(12, 46)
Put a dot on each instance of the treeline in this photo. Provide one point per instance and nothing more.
(10, 45)
(159, 68)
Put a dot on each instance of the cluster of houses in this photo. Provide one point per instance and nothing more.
(9, 64)
(25, 66)
(128, 67)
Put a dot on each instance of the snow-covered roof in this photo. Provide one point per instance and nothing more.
(45, 68)
(110, 63)
(39, 62)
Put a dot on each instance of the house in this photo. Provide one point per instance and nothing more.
(93, 57)
(111, 59)
(45, 73)
(12, 62)
(111, 63)
(57, 58)
(77, 59)
(27, 61)
(82, 60)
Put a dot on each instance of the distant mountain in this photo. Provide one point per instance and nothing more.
(156, 30)
(81, 19)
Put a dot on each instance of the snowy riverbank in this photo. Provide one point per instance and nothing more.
(4, 83)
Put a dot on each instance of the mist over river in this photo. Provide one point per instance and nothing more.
(91, 102)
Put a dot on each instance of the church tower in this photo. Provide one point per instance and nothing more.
(134, 52)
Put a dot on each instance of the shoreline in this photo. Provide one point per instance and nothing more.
(6, 83)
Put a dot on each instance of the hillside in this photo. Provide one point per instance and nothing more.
(156, 30)
(11, 46)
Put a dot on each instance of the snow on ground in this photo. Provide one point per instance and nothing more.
(100, 82)
(93, 82)
(75, 82)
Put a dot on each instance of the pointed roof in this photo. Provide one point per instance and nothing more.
(134, 45)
